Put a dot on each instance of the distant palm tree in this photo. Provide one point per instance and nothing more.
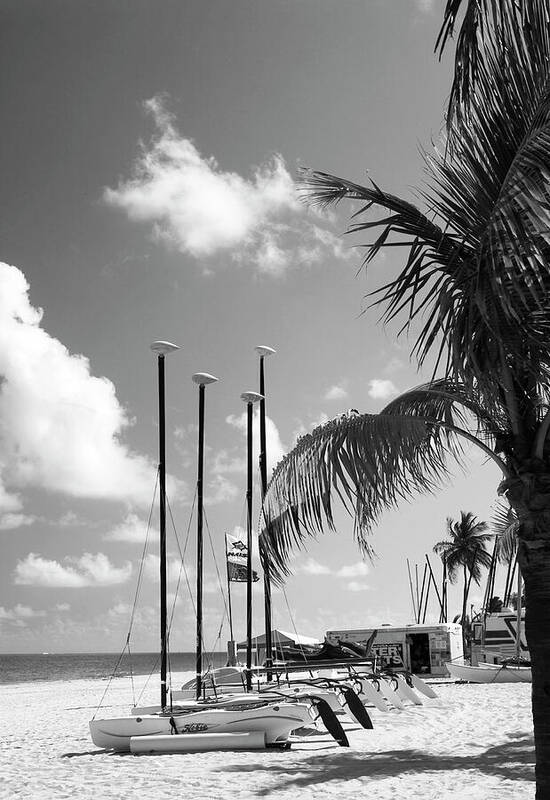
(476, 282)
(465, 551)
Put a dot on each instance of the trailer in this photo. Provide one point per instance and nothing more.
(495, 637)
(421, 649)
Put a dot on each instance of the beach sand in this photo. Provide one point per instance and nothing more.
(473, 742)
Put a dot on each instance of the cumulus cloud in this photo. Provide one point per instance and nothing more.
(304, 428)
(11, 505)
(224, 462)
(394, 365)
(19, 612)
(357, 586)
(11, 521)
(274, 447)
(76, 573)
(311, 567)
(62, 426)
(198, 208)
(425, 6)
(221, 490)
(336, 392)
(174, 569)
(132, 529)
(381, 389)
(353, 570)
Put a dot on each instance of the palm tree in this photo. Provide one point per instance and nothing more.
(465, 550)
(476, 282)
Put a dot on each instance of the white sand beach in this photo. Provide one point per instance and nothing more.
(473, 742)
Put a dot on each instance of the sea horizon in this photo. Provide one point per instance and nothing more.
(28, 667)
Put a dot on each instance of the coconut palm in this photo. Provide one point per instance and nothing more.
(464, 550)
(474, 289)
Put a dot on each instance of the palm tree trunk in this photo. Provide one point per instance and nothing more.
(464, 606)
(535, 565)
(529, 496)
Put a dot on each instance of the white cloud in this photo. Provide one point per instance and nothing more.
(275, 449)
(394, 365)
(132, 529)
(120, 610)
(335, 392)
(200, 209)
(224, 462)
(311, 567)
(12, 521)
(63, 607)
(304, 428)
(381, 389)
(353, 570)
(69, 519)
(357, 586)
(61, 426)
(221, 490)
(174, 569)
(88, 570)
(425, 6)
(19, 612)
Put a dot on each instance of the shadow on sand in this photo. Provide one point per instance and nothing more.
(514, 760)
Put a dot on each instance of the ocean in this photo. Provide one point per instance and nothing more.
(22, 668)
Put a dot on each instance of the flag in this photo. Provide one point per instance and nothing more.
(236, 553)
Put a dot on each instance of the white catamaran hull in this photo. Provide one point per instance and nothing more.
(489, 673)
(228, 700)
(198, 742)
(276, 721)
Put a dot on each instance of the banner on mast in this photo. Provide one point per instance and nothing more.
(236, 552)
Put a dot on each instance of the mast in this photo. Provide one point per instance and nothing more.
(249, 398)
(264, 351)
(229, 595)
(202, 379)
(162, 349)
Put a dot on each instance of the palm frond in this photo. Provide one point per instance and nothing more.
(456, 406)
(478, 280)
(505, 524)
(369, 462)
(489, 27)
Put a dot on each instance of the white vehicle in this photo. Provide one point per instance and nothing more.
(419, 649)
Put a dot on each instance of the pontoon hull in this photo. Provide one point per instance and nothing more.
(276, 721)
(198, 742)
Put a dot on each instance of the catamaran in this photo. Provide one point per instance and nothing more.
(268, 721)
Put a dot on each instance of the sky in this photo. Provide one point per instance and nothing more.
(149, 161)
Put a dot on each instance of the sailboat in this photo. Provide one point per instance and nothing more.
(262, 723)
(344, 693)
(234, 683)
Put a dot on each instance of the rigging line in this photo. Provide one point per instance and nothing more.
(132, 616)
(292, 621)
(182, 567)
(152, 672)
(111, 677)
(131, 674)
(188, 526)
(220, 585)
(220, 582)
(140, 582)
(142, 562)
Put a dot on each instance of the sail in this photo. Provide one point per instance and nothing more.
(236, 553)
